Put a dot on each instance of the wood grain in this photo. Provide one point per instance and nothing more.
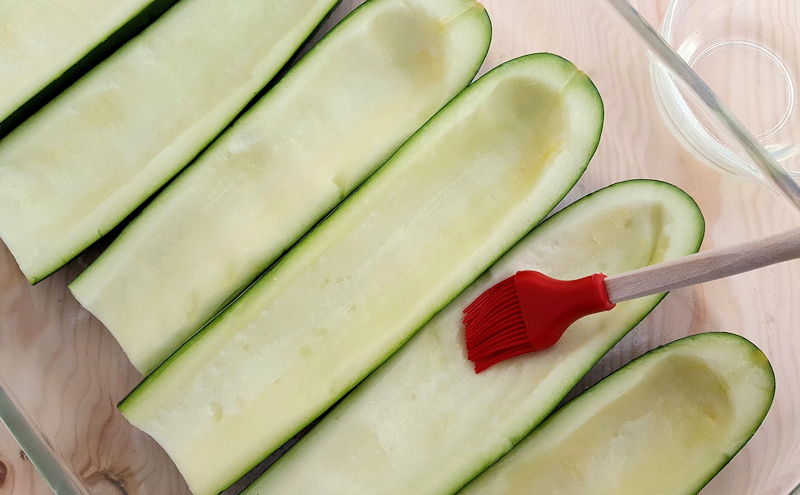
(17, 473)
(67, 373)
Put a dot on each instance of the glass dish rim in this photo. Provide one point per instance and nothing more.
(61, 481)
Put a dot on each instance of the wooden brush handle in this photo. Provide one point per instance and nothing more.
(704, 267)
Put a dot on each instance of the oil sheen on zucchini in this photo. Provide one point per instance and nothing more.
(327, 125)
(426, 423)
(665, 424)
(462, 190)
(41, 41)
(80, 165)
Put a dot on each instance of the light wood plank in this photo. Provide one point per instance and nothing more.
(17, 473)
(68, 372)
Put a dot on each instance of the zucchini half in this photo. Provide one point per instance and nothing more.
(45, 44)
(462, 190)
(426, 423)
(666, 423)
(327, 125)
(87, 159)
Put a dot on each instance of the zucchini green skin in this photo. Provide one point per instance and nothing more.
(328, 124)
(125, 23)
(427, 398)
(416, 263)
(709, 367)
(91, 156)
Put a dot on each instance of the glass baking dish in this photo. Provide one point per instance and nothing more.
(62, 373)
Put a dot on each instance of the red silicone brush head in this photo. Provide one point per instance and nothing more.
(528, 312)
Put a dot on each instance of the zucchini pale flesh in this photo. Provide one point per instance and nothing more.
(41, 41)
(666, 424)
(463, 189)
(85, 161)
(426, 423)
(328, 124)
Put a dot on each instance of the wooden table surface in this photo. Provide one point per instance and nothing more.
(42, 327)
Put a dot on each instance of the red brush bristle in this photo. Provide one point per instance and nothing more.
(494, 326)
